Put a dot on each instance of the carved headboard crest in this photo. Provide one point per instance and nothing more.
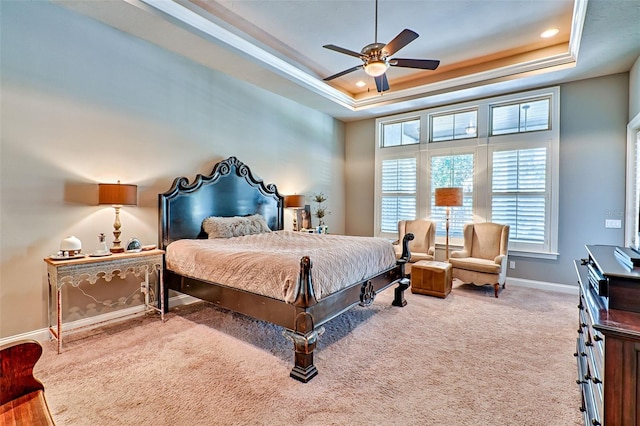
(230, 190)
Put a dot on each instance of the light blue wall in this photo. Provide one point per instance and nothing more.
(593, 119)
(84, 103)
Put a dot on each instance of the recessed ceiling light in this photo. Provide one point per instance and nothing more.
(361, 83)
(550, 33)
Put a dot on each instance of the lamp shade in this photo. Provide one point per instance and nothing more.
(448, 197)
(294, 201)
(117, 194)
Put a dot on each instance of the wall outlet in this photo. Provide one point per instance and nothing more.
(613, 223)
(512, 264)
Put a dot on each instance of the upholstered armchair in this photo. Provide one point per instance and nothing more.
(423, 246)
(483, 259)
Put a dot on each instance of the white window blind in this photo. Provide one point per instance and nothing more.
(398, 201)
(452, 171)
(519, 193)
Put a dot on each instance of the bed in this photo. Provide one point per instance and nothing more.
(232, 191)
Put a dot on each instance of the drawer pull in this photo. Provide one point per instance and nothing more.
(595, 422)
(588, 344)
(596, 380)
(597, 338)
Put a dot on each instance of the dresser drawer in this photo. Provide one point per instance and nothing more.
(591, 405)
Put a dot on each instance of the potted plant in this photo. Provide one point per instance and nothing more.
(321, 210)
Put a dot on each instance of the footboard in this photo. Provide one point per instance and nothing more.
(311, 314)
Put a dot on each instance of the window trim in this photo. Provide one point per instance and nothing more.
(453, 113)
(380, 138)
(520, 102)
(482, 145)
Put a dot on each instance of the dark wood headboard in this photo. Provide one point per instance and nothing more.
(230, 190)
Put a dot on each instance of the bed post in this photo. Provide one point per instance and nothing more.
(305, 336)
(404, 282)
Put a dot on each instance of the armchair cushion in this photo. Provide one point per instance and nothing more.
(476, 264)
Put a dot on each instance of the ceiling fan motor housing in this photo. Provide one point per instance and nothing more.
(374, 52)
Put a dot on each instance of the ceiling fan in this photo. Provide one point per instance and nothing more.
(375, 57)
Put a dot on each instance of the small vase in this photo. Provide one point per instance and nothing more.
(102, 245)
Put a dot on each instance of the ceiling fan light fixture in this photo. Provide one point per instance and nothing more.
(376, 68)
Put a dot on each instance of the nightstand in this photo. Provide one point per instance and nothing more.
(91, 269)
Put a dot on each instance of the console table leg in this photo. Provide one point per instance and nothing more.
(161, 285)
(146, 288)
(59, 313)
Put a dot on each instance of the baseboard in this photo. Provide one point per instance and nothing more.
(542, 285)
(42, 335)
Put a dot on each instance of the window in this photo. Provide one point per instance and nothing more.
(460, 125)
(521, 117)
(503, 152)
(402, 133)
(452, 171)
(519, 183)
(398, 200)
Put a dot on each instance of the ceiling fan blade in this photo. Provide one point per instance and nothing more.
(405, 37)
(382, 84)
(342, 50)
(424, 64)
(340, 74)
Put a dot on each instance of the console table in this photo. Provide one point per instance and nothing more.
(608, 344)
(91, 269)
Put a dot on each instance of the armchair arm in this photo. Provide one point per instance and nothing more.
(459, 253)
(499, 259)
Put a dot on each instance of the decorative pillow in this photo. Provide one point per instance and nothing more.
(237, 226)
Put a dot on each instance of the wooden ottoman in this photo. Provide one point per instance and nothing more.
(431, 278)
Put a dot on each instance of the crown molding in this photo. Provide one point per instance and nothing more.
(196, 22)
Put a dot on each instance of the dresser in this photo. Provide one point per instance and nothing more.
(608, 343)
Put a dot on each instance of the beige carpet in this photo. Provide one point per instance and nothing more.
(469, 359)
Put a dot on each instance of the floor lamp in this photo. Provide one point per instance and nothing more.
(448, 197)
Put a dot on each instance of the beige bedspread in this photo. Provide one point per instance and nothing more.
(269, 263)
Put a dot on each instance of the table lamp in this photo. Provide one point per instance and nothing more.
(294, 202)
(448, 197)
(117, 195)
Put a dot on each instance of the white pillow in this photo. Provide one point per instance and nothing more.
(237, 226)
